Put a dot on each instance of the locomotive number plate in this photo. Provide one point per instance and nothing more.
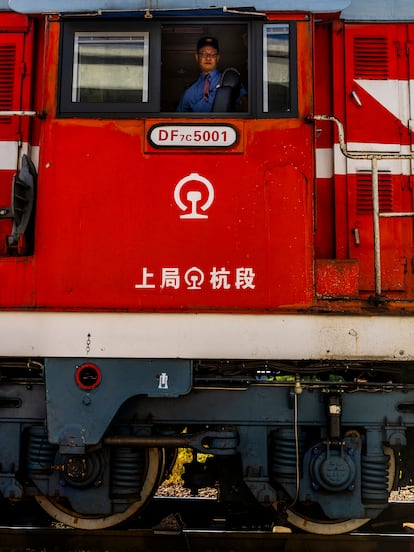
(199, 136)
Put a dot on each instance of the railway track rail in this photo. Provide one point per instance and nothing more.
(176, 525)
(191, 540)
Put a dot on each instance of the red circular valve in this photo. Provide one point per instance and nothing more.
(88, 376)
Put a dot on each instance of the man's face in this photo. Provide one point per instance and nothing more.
(207, 59)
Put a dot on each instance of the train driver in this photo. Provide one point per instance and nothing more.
(200, 95)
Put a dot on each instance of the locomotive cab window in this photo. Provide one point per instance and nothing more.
(110, 67)
(132, 69)
(190, 53)
(277, 95)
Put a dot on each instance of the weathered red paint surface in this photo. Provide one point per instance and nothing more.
(110, 231)
(113, 224)
(336, 278)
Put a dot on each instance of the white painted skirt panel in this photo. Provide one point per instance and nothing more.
(233, 336)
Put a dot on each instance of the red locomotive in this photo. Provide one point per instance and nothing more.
(236, 279)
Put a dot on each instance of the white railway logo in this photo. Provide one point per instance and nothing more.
(191, 198)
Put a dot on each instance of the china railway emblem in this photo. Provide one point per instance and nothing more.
(193, 194)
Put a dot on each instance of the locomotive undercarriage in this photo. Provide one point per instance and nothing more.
(318, 445)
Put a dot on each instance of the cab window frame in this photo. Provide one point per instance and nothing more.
(292, 112)
(234, 37)
(152, 108)
(70, 108)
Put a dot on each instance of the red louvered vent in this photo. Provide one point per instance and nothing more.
(371, 57)
(364, 193)
(7, 79)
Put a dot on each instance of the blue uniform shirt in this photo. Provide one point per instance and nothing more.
(193, 99)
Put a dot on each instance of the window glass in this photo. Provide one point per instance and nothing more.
(276, 68)
(180, 68)
(110, 67)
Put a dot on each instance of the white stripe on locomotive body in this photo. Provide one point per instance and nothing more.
(34, 155)
(392, 94)
(395, 96)
(8, 155)
(331, 161)
(226, 336)
(324, 162)
(11, 150)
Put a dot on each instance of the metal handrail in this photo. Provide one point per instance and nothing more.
(374, 157)
(18, 113)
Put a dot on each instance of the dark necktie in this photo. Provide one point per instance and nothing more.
(206, 88)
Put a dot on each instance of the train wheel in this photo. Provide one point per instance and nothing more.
(338, 527)
(154, 472)
(325, 528)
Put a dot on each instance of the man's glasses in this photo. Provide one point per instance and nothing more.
(204, 55)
